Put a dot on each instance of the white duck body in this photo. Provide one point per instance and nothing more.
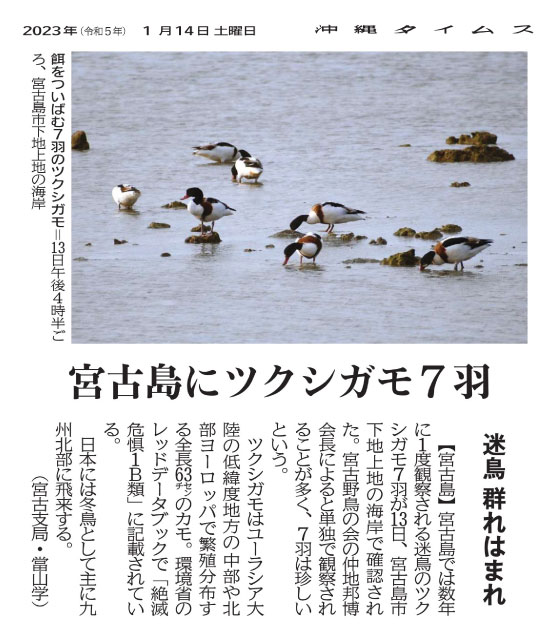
(205, 209)
(217, 152)
(454, 250)
(333, 213)
(308, 246)
(125, 195)
(202, 212)
(329, 213)
(247, 167)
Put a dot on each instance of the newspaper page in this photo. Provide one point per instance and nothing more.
(272, 371)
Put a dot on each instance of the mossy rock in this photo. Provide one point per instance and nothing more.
(361, 260)
(405, 231)
(80, 141)
(482, 153)
(476, 137)
(407, 258)
(209, 238)
(80, 259)
(205, 228)
(459, 184)
(269, 246)
(450, 228)
(115, 241)
(287, 233)
(159, 225)
(379, 241)
(176, 204)
(429, 235)
(360, 237)
(404, 145)
(343, 238)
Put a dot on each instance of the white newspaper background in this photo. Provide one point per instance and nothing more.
(39, 389)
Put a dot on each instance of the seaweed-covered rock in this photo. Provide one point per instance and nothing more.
(204, 229)
(287, 233)
(80, 141)
(476, 153)
(360, 237)
(269, 246)
(88, 244)
(429, 235)
(80, 259)
(361, 260)
(407, 258)
(176, 204)
(343, 238)
(476, 137)
(346, 237)
(379, 241)
(115, 241)
(166, 255)
(159, 225)
(405, 231)
(209, 238)
(459, 184)
(405, 145)
(450, 228)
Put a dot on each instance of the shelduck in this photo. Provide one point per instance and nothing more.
(454, 250)
(329, 213)
(217, 152)
(206, 209)
(246, 167)
(125, 195)
(308, 246)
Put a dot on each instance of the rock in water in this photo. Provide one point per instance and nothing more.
(197, 229)
(80, 141)
(476, 153)
(459, 184)
(407, 258)
(209, 238)
(429, 235)
(287, 233)
(450, 228)
(476, 137)
(361, 260)
(176, 204)
(159, 225)
(405, 231)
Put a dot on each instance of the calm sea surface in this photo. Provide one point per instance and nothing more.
(326, 126)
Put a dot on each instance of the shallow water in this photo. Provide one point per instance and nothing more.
(326, 126)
